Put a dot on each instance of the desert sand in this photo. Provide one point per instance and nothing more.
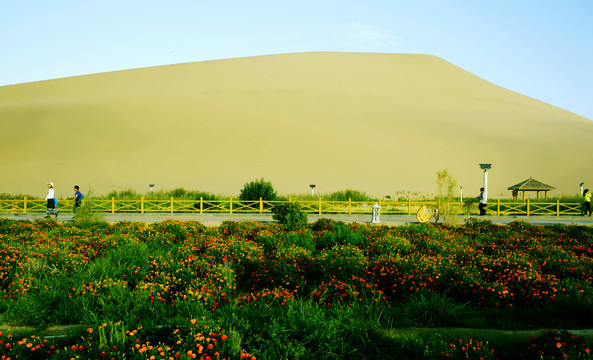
(380, 123)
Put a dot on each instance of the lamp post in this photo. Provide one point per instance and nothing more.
(151, 186)
(581, 184)
(312, 186)
(485, 167)
(461, 194)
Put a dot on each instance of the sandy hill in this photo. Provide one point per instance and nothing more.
(380, 123)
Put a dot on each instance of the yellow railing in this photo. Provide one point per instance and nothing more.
(319, 206)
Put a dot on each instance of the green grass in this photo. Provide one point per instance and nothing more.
(309, 293)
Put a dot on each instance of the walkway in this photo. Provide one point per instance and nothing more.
(217, 219)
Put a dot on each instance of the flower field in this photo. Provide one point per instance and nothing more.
(245, 290)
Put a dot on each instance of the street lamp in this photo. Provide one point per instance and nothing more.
(485, 167)
(150, 186)
(581, 184)
(312, 189)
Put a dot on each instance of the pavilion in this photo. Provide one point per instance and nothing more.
(531, 185)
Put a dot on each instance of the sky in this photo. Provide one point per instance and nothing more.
(539, 48)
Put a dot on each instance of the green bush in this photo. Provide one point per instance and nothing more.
(342, 235)
(128, 194)
(290, 214)
(301, 239)
(257, 189)
(345, 195)
(470, 204)
(340, 262)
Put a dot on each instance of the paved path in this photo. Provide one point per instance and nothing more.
(217, 219)
(64, 330)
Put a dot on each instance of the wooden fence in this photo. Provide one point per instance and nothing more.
(320, 206)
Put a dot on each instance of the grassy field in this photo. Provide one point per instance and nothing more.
(326, 291)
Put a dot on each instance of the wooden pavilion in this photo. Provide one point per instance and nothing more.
(530, 185)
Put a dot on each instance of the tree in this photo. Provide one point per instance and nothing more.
(447, 185)
(257, 189)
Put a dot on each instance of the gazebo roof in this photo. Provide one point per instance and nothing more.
(531, 185)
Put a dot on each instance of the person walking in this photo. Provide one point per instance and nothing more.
(77, 199)
(482, 205)
(51, 201)
(587, 197)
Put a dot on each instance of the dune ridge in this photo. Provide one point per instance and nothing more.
(380, 123)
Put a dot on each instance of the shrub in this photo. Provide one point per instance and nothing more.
(302, 239)
(181, 193)
(257, 189)
(345, 195)
(447, 185)
(342, 235)
(341, 262)
(389, 247)
(290, 214)
(325, 224)
(128, 194)
(470, 204)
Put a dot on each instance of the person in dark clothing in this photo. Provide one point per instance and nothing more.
(77, 198)
(482, 205)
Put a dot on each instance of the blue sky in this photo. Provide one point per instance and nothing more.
(540, 48)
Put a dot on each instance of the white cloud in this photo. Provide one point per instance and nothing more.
(363, 36)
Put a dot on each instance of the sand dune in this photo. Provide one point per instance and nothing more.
(380, 123)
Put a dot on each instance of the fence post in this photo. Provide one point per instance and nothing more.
(409, 207)
(171, 204)
(320, 205)
(113, 205)
(142, 205)
(201, 205)
(231, 205)
(557, 207)
(25, 204)
(498, 207)
(527, 207)
(261, 205)
(349, 206)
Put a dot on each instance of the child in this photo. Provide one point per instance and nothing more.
(77, 198)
